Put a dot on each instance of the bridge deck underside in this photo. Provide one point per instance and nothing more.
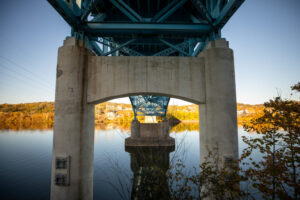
(146, 28)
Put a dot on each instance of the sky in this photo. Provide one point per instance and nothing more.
(264, 35)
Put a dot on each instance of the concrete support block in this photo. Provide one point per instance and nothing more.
(164, 129)
(73, 144)
(150, 135)
(135, 128)
(218, 118)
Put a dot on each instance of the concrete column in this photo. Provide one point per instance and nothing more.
(218, 118)
(73, 145)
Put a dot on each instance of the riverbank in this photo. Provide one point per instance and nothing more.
(41, 115)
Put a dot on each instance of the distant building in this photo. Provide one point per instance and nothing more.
(110, 107)
(150, 119)
(242, 112)
(110, 115)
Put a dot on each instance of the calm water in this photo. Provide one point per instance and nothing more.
(25, 162)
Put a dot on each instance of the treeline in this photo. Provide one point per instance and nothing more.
(27, 116)
(41, 115)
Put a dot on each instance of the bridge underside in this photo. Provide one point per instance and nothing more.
(112, 54)
(146, 28)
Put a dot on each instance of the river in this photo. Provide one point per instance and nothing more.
(25, 155)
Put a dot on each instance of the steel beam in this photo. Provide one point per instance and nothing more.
(174, 47)
(99, 18)
(202, 9)
(200, 47)
(124, 10)
(131, 10)
(123, 49)
(119, 47)
(228, 10)
(171, 10)
(87, 10)
(66, 12)
(146, 28)
(170, 50)
(149, 105)
(164, 10)
(92, 45)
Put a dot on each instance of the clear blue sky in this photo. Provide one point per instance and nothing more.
(264, 35)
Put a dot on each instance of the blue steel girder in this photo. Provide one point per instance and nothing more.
(146, 28)
(179, 19)
(149, 105)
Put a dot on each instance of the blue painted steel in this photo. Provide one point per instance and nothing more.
(119, 47)
(94, 28)
(149, 105)
(131, 11)
(174, 47)
(65, 11)
(202, 10)
(88, 6)
(124, 49)
(163, 10)
(150, 28)
(95, 48)
(200, 47)
(227, 11)
(124, 11)
(171, 11)
(169, 51)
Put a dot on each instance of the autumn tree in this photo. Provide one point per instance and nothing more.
(276, 175)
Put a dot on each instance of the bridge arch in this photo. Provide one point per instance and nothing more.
(114, 77)
(144, 93)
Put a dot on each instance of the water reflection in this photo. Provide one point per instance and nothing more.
(26, 161)
(174, 127)
(149, 166)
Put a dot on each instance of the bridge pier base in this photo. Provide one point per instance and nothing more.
(149, 134)
(218, 118)
(73, 144)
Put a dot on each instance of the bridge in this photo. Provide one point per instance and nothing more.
(149, 50)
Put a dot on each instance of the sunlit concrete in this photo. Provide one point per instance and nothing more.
(73, 125)
(218, 118)
(112, 77)
(150, 134)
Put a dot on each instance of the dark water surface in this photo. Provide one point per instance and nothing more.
(25, 162)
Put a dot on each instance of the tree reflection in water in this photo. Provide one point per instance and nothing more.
(149, 166)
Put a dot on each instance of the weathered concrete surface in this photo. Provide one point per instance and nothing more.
(112, 77)
(83, 80)
(135, 129)
(218, 118)
(73, 124)
(149, 134)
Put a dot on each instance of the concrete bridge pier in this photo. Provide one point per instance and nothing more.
(218, 118)
(73, 145)
(84, 80)
(149, 134)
